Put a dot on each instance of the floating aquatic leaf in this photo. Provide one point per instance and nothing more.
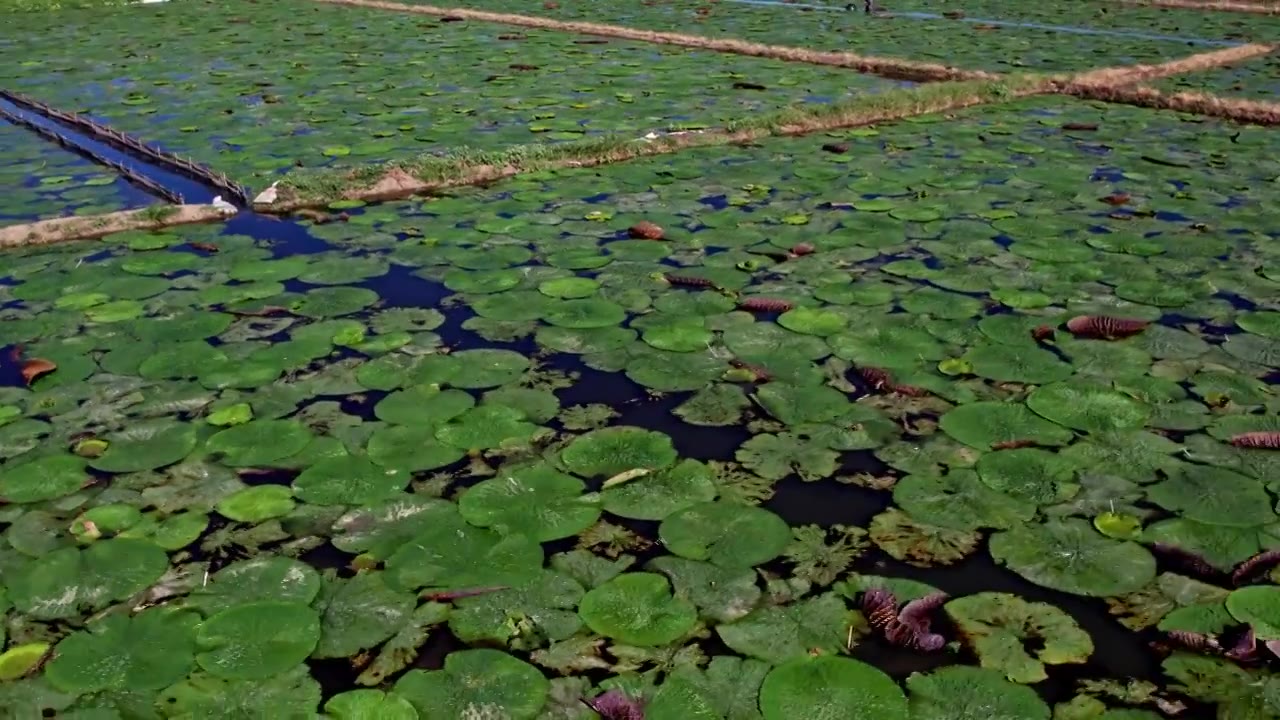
(1092, 408)
(827, 686)
(776, 456)
(613, 450)
(984, 424)
(719, 405)
(485, 368)
(1118, 525)
(533, 500)
(257, 640)
(960, 501)
(45, 478)
(1258, 607)
(1214, 496)
(67, 581)
(203, 695)
(473, 682)
(148, 651)
(778, 633)
(1029, 474)
(998, 625)
(257, 579)
(725, 534)
(20, 660)
(348, 480)
(920, 544)
(447, 553)
(638, 609)
(259, 442)
(1023, 363)
(1069, 555)
(423, 406)
(366, 704)
(957, 692)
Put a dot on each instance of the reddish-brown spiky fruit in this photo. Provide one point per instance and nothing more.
(765, 304)
(1013, 444)
(1257, 565)
(645, 230)
(1259, 440)
(1185, 560)
(877, 378)
(1198, 642)
(689, 281)
(1105, 327)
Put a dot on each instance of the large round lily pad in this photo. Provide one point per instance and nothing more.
(533, 500)
(959, 692)
(725, 534)
(1088, 407)
(477, 684)
(1071, 556)
(827, 686)
(638, 609)
(983, 424)
(257, 640)
(147, 446)
(259, 442)
(148, 651)
(348, 480)
(1214, 496)
(1259, 608)
(46, 478)
(656, 495)
(615, 450)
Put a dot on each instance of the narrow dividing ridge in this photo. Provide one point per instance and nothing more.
(1240, 6)
(893, 68)
(1241, 111)
(1133, 74)
(231, 191)
(124, 171)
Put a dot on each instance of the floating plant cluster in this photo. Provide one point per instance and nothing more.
(946, 424)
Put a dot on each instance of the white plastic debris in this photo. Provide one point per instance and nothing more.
(268, 196)
(223, 205)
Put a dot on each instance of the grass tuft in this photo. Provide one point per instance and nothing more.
(1241, 111)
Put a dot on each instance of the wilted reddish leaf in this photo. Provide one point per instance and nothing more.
(837, 148)
(802, 249)
(36, 368)
(1043, 332)
(207, 247)
(1261, 440)
(1105, 327)
(1116, 198)
(616, 705)
(645, 230)
(1245, 649)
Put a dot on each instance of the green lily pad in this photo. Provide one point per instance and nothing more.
(614, 450)
(1088, 407)
(358, 614)
(656, 495)
(348, 480)
(411, 449)
(984, 424)
(258, 579)
(638, 609)
(830, 687)
(1259, 608)
(67, 581)
(257, 640)
(474, 683)
(1020, 362)
(256, 504)
(959, 500)
(328, 302)
(532, 500)
(1069, 555)
(1214, 496)
(547, 604)
(486, 368)
(779, 633)
(448, 553)
(725, 534)
(369, 704)
(148, 651)
(1029, 474)
(587, 313)
(259, 442)
(999, 625)
(46, 478)
(968, 693)
(146, 446)
(423, 406)
(486, 427)
(776, 456)
(795, 405)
